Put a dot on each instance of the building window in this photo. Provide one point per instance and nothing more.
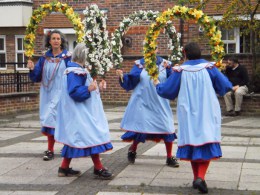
(19, 52)
(245, 43)
(2, 52)
(71, 42)
(231, 39)
(236, 43)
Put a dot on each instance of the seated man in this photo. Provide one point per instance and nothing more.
(237, 75)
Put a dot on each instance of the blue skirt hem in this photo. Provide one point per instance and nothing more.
(48, 131)
(70, 152)
(142, 137)
(204, 152)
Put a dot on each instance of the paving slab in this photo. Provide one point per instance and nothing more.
(8, 164)
(244, 122)
(4, 121)
(114, 115)
(253, 153)
(114, 126)
(236, 131)
(26, 116)
(28, 192)
(235, 140)
(50, 177)
(5, 135)
(230, 185)
(117, 146)
(17, 129)
(116, 109)
(254, 141)
(159, 150)
(29, 148)
(114, 135)
(233, 152)
(127, 193)
(23, 124)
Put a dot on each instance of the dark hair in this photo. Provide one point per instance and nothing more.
(48, 38)
(233, 59)
(192, 51)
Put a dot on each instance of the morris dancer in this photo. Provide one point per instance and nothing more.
(196, 83)
(81, 123)
(147, 116)
(49, 70)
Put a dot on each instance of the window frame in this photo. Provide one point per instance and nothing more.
(3, 51)
(19, 52)
(236, 40)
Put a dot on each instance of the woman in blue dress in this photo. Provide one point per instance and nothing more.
(147, 116)
(81, 122)
(196, 83)
(49, 70)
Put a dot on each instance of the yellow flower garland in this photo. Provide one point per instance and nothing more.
(216, 44)
(44, 10)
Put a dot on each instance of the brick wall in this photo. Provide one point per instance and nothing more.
(17, 102)
(10, 41)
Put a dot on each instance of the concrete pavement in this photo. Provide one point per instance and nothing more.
(23, 172)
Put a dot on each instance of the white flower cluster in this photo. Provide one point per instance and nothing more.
(96, 39)
(134, 19)
(174, 45)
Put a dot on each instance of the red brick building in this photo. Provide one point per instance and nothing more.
(15, 15)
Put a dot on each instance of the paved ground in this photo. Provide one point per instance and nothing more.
(23, 172)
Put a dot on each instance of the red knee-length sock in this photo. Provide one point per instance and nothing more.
(202, 169)
(65, 163)
(194, 166)
(168, 146)
(96, 160)
(134, 146)
(51, 142)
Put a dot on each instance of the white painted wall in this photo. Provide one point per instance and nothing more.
(15, 16)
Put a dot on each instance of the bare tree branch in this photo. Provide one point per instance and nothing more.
(256, 7)
(243, 2)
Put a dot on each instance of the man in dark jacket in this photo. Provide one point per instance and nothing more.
(237, 75)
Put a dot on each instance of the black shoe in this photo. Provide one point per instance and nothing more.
(131, 156)
(201, 185)
(237, 113)
(103, 173)
(48, 155)
(69, 172)
(172, 162)
(229, 113)
(193, 185)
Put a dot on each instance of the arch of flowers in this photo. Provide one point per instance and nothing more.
(96, 39)
(214, 35)
(135, 18)
(42, 11)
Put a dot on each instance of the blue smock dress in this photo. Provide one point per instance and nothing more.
(147, 115)
(196, 83)
(81, 122)
(49, 70)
